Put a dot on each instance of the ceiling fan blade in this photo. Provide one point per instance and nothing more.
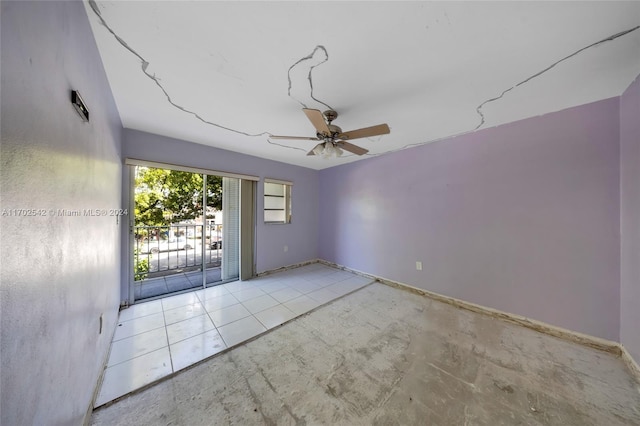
(352, 148)
(380, 129)
(313, 153)
(317, 119)
(305, 138)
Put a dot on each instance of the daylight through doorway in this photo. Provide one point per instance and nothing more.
(183, 224)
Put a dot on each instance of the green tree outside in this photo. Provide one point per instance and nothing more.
(163, 197)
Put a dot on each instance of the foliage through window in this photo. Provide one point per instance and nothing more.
(164, 197)
(277, 201)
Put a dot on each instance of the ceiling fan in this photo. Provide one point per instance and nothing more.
(332, 139)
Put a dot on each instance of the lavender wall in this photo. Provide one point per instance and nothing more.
(300, 236)
(523, 217)
(59, 273)
(630, 218)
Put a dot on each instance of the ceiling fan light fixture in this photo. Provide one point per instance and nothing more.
(327, 150)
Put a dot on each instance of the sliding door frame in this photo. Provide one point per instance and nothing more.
(247, 229)
(247, 219)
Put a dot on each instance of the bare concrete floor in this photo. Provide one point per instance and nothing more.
(387, 356)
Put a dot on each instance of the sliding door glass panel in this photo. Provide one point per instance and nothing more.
(212, 223)
(177, 231)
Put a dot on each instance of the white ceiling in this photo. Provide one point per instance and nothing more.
(228, 74)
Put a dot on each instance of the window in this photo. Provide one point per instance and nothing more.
(277, 201)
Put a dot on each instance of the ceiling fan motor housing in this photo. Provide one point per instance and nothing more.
(334, 132)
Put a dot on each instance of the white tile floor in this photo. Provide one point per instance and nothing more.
(155, 339)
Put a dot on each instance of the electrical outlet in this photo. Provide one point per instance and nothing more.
(286, 249)
(418, 265)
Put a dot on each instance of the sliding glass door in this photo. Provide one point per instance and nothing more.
(185, 232)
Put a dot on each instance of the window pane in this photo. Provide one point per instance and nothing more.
(277, 202)
(274, 189)
(274, 216)
(274, 202)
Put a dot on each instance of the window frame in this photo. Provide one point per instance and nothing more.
(287, 191)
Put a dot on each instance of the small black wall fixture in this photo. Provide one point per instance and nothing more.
(79, 105)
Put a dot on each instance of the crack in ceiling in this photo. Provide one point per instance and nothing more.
(145, 65)
(478, 108)
(310, 80)
(604, 40)
(309, 76)
(284, 146)
(317, 57)
(539, 73)
(152, 77)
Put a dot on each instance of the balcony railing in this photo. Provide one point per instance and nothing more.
(163, 249)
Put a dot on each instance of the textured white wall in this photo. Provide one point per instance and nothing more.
(59, 273)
